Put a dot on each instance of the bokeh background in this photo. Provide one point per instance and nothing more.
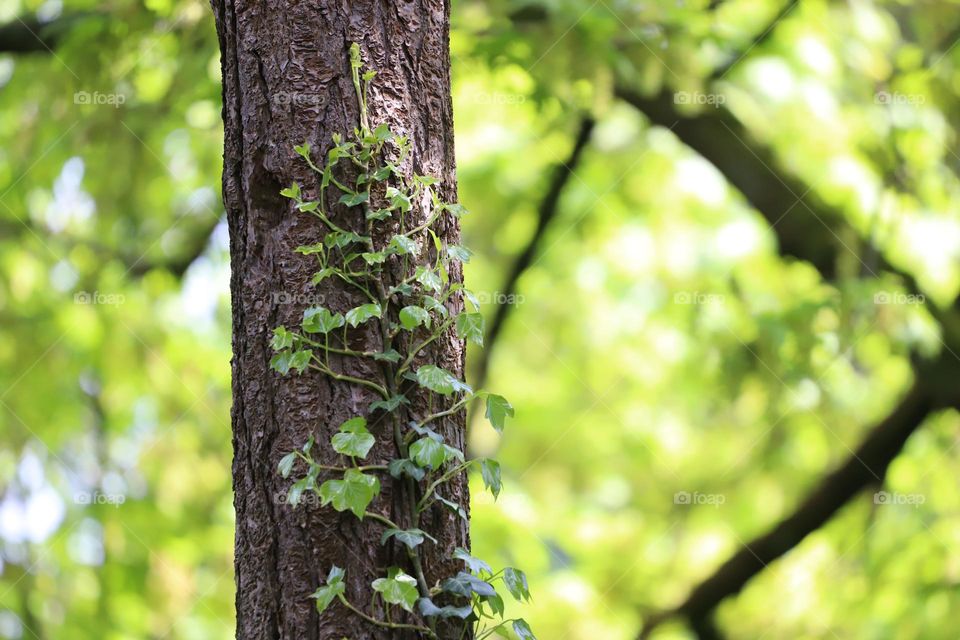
(683, 372)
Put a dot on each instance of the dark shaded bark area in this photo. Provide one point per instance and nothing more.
(286, 79)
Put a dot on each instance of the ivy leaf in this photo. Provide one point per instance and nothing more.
(308, 207)
(398, 588)
(470, 327)
(432, 304)
(382, 133)
(476, 565)
(522, 629)
(376, 257)
(354, 492)
(404, 289)
(361, 314)
(439, 380)
(427, 452)
(426, 180)
(405, 466)
(286, 464)
(516, 582)
(353, 199)
(457, 252)
(390, 404)
(303, 150)
(456, 209)
(498, 409)
(321, 320)
(310, 249)
(412, 538)
(428, 278)
(402, 245)
(354, 439)
(334, 587)
(412, 317)
(296, 490)
(341, 239)
(398, 199)
(429, 609)
(322, 275)
(496, 604)
(490, 471)
(463, 584)
(281, 339)
(390, 355)
(379, 214)
(293, 191)
(453, 506)
(286, 360)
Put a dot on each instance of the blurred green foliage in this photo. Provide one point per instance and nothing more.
(657, 345)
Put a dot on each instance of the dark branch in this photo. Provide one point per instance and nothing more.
(30, 35)
(546, 212)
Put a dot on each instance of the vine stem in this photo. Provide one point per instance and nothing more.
(424, 501)
(382, 623)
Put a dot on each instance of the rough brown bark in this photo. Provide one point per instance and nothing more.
(286, 79)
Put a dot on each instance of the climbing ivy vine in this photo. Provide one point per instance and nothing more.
(418, 307)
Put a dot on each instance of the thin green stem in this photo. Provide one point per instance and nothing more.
(383, 623)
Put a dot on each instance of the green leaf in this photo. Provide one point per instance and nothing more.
(402, 245)
(321, 275)
(281, 339)
(353, 199)
(496, 604)
(296, 490)
(341, 239)
(439, 380)
(522, 629)
(286, 360)
(379, 214)
(412, 317)
(432, 304)
(498, 409)
(457, 252)
(428, 278)
(334, 587)
(429, 609)
(404, 289)
(361, 314)
(426, 180)
(353, 440)
(476, 565)
(464, 584)
(453, 506)
(390, 355)
(427, 452)
(398, 588)
(353, 493)
(376, 257)
(310, 249)
(286, 464)
(456, 209)
(300, 360)
(293, 191)
(405, 467)
(470, 327)
(490, 471)
(516, 582)
(303, 150)
(398, 199)
(412, 538)
(382, 133)
(390, 404)
(308, 207)
(321, 320)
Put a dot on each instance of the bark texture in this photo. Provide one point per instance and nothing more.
(286, 79)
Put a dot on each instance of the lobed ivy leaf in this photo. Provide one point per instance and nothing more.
(379, 214)
(427, 452)
(522, 629)
(432, 304)
(498, 410)
(398, 199)
(382, 133)
(310, 249)
(309, 206)
(429, 609)
(465, 584)
(398, 588)
(496, 604)
(354, 199)
(412, 538)
(281, 339)
(286, 360)
(428, 278)
(470, 327)
(375, 257)
(321, 320)
(390, 355)
(439, 380)
(390, 404)
(361, 314)
(402, 245)
(453, 506)
(490, 472)
(334, 587)
(321, 275)
(296, 490)
(293, 191)
(458, 252)
(516, 582)
(353, 493)
(354, 439)
(405, 466)
(341, 239)
(413, 316)
(303, 150)
(476, 565)
(285, 465)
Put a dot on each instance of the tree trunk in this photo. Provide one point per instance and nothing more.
(286, 80)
